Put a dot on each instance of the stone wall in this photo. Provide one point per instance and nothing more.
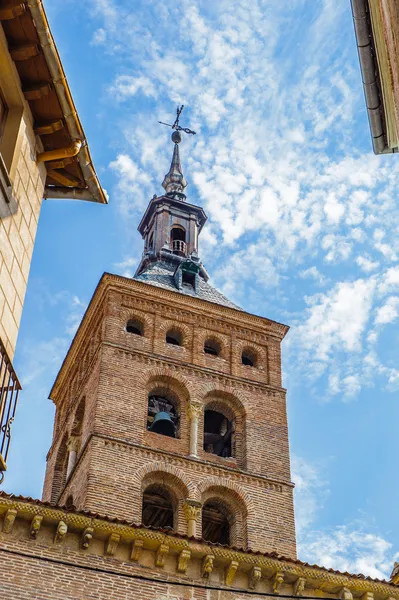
(21, 192)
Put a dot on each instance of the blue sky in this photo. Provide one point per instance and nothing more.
(302, 229)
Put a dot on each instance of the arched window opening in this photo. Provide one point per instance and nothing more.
(248, 358)
(178, 240)
(60, 471)
(157, 507)
(174, 337)
(215, 523)
(163, 417)
(78, 418)
(218, 434)
(135, 327)
(151, 241)
(212, 347)
(69, 503)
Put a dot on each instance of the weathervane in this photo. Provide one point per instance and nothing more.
(176, 125)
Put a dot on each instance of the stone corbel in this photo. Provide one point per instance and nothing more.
(207, 565)
(35, 526)
(137, 546)
(9, 520)
(112, 544)
(345, 594)
(299, 586)
(231, 571)
(254, 577)
(86, 538)
(183, 560)
(278, 582)
(161, 555)
(192, 511)
(60, 533)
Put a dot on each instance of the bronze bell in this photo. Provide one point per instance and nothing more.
(163, 424)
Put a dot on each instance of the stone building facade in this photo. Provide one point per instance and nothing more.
(168, 477)
(43, 154)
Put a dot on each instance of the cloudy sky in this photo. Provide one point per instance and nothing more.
(302, 229)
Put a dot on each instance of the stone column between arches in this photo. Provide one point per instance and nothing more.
(195, 412)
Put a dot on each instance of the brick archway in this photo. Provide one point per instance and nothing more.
(228, 495)
(231, 405)
(174, 480)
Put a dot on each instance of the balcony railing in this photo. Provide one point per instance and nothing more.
(9, 390)
(179, 247)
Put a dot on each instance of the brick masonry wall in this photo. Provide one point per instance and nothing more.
(122, 456)
(47, 553)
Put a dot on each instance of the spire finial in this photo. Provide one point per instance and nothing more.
(174, 180)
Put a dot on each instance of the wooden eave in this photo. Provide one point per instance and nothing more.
(47, 92)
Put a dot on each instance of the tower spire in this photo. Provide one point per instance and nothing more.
(174, 180)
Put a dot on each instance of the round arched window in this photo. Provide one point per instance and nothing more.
(163, 416)
(134, 326)
(212, 347)
(157, 507)
(218, 433)
(216, 523)
(248, 358)
(174, 337)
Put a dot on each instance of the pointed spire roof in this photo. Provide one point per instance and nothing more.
(174, 180)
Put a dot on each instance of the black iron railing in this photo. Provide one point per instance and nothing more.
(9, 390)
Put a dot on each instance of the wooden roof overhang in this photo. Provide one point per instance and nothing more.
(376, 29)
(70, 170)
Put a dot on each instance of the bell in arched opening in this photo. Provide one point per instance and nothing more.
(163, 424)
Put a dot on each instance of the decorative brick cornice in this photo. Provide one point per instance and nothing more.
(209, 557)
(190, 369)
(201, 466)
(239, 321)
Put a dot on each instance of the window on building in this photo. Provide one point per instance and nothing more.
(188, 279)
(248, 358)
(212, 347)
(69, 503)
(215, 523)
(151, 241)
(174, 337)
(157, 507)
(135, 327)
(218, 433)
(178, 240)
(162, 417)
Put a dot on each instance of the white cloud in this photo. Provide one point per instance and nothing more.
(388, 312)
(337, 319)
(128, 266)
(352, 547)
(126, 86)
(99, 37)
(366, 264)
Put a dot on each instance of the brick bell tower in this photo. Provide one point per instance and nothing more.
(170, 410)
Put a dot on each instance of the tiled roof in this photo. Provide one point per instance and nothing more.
(168, 531)
(160, 274)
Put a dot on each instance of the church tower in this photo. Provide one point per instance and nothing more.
(170, 410)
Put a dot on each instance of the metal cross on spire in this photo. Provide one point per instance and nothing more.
(176, 124)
